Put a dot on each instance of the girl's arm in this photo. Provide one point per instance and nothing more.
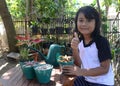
(104, 67)
(77, 60)
(77, 71)
(74, 45)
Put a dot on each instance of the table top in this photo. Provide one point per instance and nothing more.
(15, 77)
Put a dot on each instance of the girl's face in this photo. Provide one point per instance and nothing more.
(85, 26)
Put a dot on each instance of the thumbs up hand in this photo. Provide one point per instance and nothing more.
(76, 35)
(75, 41)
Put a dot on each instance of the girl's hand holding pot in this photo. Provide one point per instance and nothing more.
(72, 70)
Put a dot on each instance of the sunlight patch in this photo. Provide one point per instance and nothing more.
(4, 65)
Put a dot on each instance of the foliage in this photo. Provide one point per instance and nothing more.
(107, 2)
(70, 7)
(104, 22)
(52, 8)
(103, 16)
(16, 8)
(24, 42)
(33, 23)
(42, 8)
(24, 53)
(117, 5)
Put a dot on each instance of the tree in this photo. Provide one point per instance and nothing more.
(117, 5)
(17, 8)
(98, 4)
(9, 27)
(107, 4)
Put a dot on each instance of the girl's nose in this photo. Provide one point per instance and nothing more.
(85, 23)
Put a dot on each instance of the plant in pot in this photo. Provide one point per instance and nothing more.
(65, 60)
(43, 73)
(34, 27)
(26, 63)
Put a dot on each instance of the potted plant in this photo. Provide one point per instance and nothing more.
(68, 30)
(27, 63)
(59, 30)
(65, 60)
(52, 31)
(24, 42)
(44, 31)
(43, 73)
(34, 27)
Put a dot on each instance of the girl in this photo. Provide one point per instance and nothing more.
(91, 51)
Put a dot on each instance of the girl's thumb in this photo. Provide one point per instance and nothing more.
(75, 35)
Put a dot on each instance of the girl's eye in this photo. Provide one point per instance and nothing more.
(80, 20)
(89, 20)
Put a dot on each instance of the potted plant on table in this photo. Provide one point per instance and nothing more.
(26, 62)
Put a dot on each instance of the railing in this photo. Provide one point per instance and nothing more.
(113, 34)
(21, 26)
(114, 38)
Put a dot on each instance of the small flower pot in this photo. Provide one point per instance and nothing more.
(28, 70)
(43, 73)
(65, 60)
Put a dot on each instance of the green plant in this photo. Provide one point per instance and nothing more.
(24, 52)
(24, 42)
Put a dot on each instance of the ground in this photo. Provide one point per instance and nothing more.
(6, 64)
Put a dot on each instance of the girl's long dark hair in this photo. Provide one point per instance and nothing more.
(90, 13)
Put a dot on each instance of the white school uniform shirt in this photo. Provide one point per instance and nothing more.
(89, 58)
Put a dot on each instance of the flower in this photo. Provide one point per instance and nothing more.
(26, 41)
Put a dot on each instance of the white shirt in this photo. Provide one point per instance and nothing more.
(89, 58)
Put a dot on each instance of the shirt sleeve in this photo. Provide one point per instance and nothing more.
(103, 47)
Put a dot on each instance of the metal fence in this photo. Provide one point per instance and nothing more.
(113, 32)
(58, 28)
(55, 29)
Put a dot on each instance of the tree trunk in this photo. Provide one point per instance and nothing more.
(98, 4)
(9, 27)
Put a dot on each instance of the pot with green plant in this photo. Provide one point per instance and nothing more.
(26, 64)
(25, 61)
